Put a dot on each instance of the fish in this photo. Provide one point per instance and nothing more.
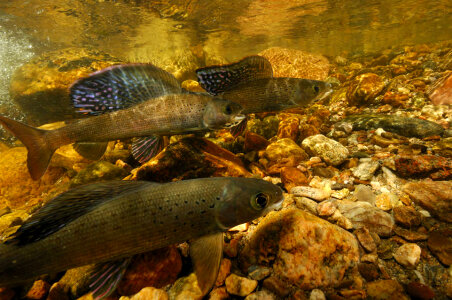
(106, 223)
(124, 101)
(250, 83)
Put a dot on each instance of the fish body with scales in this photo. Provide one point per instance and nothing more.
(112, 220)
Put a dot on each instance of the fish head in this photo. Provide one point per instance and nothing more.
(307, 91)
(245, 199)
(222, 113)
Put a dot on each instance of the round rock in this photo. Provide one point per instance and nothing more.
(332, 152)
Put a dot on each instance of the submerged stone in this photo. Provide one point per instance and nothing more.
(98, 171)
(240, 286)
(148, 293)
(441, 91)
(329, 150)
(440, 243)
(282, 153)
(435, 167)
(307, 251)
(364, 88)
(405, 126)
(268, 127)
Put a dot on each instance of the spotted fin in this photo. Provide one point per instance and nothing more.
(206, 253)
(144, 148)
(239, 128)
(91, 150)
(218, 79)
(121, 86)
(69, 206)
(106, 277)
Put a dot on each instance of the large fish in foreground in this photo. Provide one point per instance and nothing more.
(111, 221)
(250, 83)
(133, 101)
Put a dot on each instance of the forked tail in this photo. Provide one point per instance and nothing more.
(39, 150)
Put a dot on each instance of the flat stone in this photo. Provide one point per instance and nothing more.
(421, 166)
(405, 126)
(306, 204)
(386, 289)
(331, 152)
(259, 272)
(364, 193)
(277, 286)
(434, 196)
(240, 286)
(363, 214)
(365, 239)
(254, 142)
(282, 153)
(366, 169)
(410, 235)
(148, 293)
(420, 291)
(407, 216)
(307, 251)
(440, 243)
(408, 255)
(310, 192)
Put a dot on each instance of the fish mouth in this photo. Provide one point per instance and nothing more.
(325, 94)
(235, 120)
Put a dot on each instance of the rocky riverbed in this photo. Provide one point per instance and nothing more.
(367, 175)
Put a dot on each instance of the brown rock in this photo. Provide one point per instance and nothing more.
(369, 271)
(261, 295)
(7, 293)
(364, 88)
(441, 92)
(276, 286)
(434, 196)
(440, 243)
(288, 126)
(240, 286)
(282, 153)
(292, 176)
(435, 167)
(156, 268)
(38, 291)
(259, 272)
(406, 216)
(420, 291)
(409, 235)
(231, 248)
(385, 289)
(307, 251)
(190, 157)
(219, 293)
(296, 63)
(225, 270)
(365, 239)
(148, 293)
(254, 142)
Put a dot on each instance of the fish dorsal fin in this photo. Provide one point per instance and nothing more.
(121, 86)
(91, 150)
(206, 253)
(218, 79)
(106, 277)
(69, 206)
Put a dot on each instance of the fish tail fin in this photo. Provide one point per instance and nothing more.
(34, 139)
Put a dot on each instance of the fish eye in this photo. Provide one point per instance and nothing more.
(316, 88)
(259, 201)
(228, 109)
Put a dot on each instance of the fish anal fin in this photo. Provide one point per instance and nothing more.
(144, 148)
(106, 276)
(206, 253)
(218, 79)
(91, 150)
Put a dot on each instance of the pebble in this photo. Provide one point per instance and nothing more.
(261, 295)
(310, 192)
(383, 201)
(421, 166)
(317, 294)
(408, 255)
(366, 169)
(420, 291)
(148, 293)
(364, 88)
(440, 243)
(369, 271)
(282, 153)
(365, 239)
(254, 142)
(306, 204)
(259, 272)
(409, 235)
(441, 92)
(292, 176)
(240, 286)
(276, 286)
(406, 216)
(225, 270)
(363, 214)
(326, 208)
(38, 291)
(330, 151)
(385, 289)
(364, 193)
(340, 194)
(219, 293)
(185, 288)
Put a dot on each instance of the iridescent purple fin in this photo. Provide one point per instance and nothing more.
(121, 86)
(239, 128)
(217, 79)
(144, 148)
(106, 276)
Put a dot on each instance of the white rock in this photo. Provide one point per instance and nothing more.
(317, 294)
(310, 192)
(331, 152)
(408, 255)
(366, 169)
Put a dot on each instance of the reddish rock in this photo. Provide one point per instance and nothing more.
(231, 248)
(292, 176)
(219, 294)
(225, 270)
(282, 153)
(420, 291)
(406, 216)
(434, 196)
(288, 127)
(254, 142)
(152, 269)
(395, 99)
(365, 239)
(441, 92)
(369, 271)
(410, 235)
(307, 251)
(364, 88)
(440, 243)
(436, 167)
(7, 293)
(38, 291)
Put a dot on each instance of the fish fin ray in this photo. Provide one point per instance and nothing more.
(206, 253)
(121, 86)
(144, 148)
(106, 276)
(239, 128)
(34, 139)
(91, 150)
(68, 206)
(218, 79)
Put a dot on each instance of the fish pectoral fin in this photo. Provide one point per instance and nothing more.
(206, 253)
(91, 150)
(120, 87)
(239, 128)
(105, 277)
(144, 148)
(218, 79)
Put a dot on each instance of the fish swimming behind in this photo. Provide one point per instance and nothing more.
(107, 223)
(137, 100)
(250, 83)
